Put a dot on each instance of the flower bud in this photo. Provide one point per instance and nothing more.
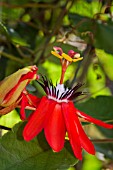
(12, 86)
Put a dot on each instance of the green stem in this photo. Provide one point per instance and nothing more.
(28, 5)
(11, 57)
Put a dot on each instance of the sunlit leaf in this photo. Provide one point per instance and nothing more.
(86, 9)
(106, 61)
(94, 164)
(10, 119)
(96, 81)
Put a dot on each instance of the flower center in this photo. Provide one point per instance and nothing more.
(57, 93)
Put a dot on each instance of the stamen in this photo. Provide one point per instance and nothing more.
(67, 57)
(58, 49)
(77, 59)
(56, 54)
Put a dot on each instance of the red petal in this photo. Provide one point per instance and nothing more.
(85, 142)
(24, 103)
(93, 120)
(72, 129)
(33, 100)
(37, 120)
(55, 129)
(10, 93)
(29, 75)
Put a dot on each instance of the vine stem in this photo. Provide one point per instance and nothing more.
(11, 57)
(28, 5)
(108, 140)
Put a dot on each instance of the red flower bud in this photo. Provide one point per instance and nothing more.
(12, 87)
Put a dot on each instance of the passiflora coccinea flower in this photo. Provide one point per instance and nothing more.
(56, 114)
(12, 88)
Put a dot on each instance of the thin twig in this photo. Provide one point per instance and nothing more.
(27, 108)
(28, 5)
(21, 52)
(11, 57)
(109, 140)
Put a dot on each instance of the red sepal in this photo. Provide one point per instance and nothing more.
(37, 120)
(28, 100)
(24, 103)
(93, 120)
(55, 129)
(72, 129)
(84, 140)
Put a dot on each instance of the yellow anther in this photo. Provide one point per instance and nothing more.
(67, 57)
(56, 54)
(77, 59)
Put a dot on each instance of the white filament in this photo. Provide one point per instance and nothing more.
(61, 89)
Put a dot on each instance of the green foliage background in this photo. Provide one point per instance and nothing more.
(28, 31)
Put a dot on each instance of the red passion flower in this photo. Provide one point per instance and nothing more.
(56, 114)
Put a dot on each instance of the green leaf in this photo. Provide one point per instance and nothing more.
(94, 164)
(96, 80)
(106, 60)
(10, 119)
(86, 9)
(17, 154)
(100, 108)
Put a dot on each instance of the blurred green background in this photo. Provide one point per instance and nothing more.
(28, 31)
